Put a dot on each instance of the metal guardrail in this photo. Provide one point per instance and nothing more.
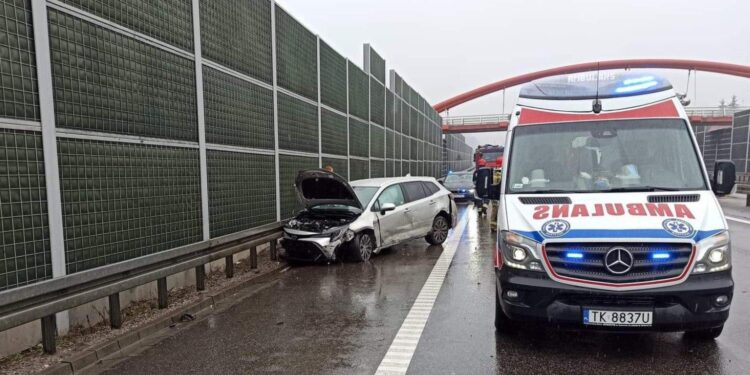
(714, 111)
(44, 299)
(476, 120)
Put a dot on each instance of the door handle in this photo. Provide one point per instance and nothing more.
(432, 202)
(406, 209)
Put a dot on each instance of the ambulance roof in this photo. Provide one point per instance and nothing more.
(608, 84)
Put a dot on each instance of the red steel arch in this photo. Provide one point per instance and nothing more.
(706, 66)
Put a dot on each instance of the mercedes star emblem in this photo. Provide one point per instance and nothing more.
(618, 260)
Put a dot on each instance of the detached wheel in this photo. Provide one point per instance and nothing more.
(503, 324)
(439, 232)
(705, 334)
(362, 248)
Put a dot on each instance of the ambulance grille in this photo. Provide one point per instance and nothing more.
(545, 200)
(651, 261)
(674, 198)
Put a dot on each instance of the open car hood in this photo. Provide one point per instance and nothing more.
(317, 187)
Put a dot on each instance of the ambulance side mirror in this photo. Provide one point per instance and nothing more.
(724, 177)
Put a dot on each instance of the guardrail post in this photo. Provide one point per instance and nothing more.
(115, 314)
(229, 266)
(254, 257)
(49, 331)
(272, 250)
(200, 277)
(161, 287)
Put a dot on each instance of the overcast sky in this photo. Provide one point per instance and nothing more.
(445, 47)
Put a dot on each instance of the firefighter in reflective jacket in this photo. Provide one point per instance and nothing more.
(494, 195)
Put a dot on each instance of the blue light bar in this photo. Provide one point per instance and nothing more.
(633, 81)
(574, 255)
(636, 87)
(660, 255)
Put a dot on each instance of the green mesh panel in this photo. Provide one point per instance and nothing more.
(170, 21)
(413, 124)
(397, 165)
(340, 166)
(105, 81)
(359, 138)
(121, 201)
(333, 129)
(377, 168)
(396, 84)
(400, 120)
(413, 151)
(358, 92)
(237, 34)
(25, 249)
(241, 191)
(237, 112)
(289, 166)
(332, 78)
(389, 109)
(360, 169)
(19, 94)
(377, 66)
(377, 102)
(398, 139)
(377, 142)
(390, 144)
(298, 124)
(390, 168)
(296, 56)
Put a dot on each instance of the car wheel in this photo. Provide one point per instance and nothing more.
(503, 324)
(705, 334)
(364, 244)
(439, 232)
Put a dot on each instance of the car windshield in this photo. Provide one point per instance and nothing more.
(491, 155)
(602, 156)
(459, 179)
(365, 194)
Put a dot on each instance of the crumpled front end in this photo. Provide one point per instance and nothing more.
(315, 247)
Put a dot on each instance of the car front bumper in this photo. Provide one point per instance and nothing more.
(310, 249)
(686, 306)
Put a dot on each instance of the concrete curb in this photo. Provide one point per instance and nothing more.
(85, 359)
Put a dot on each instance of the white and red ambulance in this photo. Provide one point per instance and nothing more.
(608, 218)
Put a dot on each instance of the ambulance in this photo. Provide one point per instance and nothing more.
(608, 217)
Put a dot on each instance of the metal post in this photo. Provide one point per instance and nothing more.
(320, 120)
(229, 266)
(163, 294)
(254, 257)
(115, 314)
(348, 156)
(201, 119)
(275, 110)
(49, 333)
(272, 250)
(49, 144)
(200, 277)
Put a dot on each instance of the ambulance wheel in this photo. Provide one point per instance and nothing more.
(503, 324)
(705, 334)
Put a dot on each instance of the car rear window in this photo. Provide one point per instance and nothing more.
(414, 190)
(430, 188)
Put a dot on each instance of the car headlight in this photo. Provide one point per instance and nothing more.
(472, 191)
(520, 252)
(714, 254)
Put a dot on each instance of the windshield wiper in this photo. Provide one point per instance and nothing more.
(638, 189)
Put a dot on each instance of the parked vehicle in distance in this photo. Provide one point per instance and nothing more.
(607, 217)
(490, 156)
(461, 185)
(360, 218)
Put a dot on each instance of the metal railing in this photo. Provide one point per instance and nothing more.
(44, 299)
(475, 120)
(714, 111)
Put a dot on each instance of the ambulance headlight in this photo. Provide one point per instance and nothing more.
(519, 252)
(713, 254)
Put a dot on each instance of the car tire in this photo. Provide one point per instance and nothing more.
(362, 247)
(439, 231)
(503, 324)
(705, 334)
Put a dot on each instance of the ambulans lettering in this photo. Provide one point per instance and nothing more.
(556, 211)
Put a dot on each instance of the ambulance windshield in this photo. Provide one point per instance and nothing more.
(604, 156)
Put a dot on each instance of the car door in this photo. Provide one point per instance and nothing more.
(419, 208)
(394, 225)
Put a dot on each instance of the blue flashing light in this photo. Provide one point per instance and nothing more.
(574, 255)
(636, 87)
(633, 81)
(660, 256)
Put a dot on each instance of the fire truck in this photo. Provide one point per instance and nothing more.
(490, 156)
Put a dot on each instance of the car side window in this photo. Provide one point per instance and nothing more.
(392, 194)
(430, 188)
(414, 190)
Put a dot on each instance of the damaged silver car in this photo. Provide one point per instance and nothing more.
(360, 218)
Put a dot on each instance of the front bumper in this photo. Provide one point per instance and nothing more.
(686, 306)
(310, 249)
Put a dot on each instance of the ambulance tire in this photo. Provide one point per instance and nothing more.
(705, 334)
(503, 324)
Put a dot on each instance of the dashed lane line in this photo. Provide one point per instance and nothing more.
(401, 351)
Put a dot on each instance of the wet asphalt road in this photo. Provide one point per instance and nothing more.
(341, 319)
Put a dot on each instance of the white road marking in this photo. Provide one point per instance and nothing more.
(285, 269)
(401, 351)
(738, 220)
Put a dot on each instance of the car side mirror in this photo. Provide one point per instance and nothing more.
(724, 177)
(387, 207)
(441, 181)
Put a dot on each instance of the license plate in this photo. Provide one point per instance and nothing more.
(618, 318)
(458, 195)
